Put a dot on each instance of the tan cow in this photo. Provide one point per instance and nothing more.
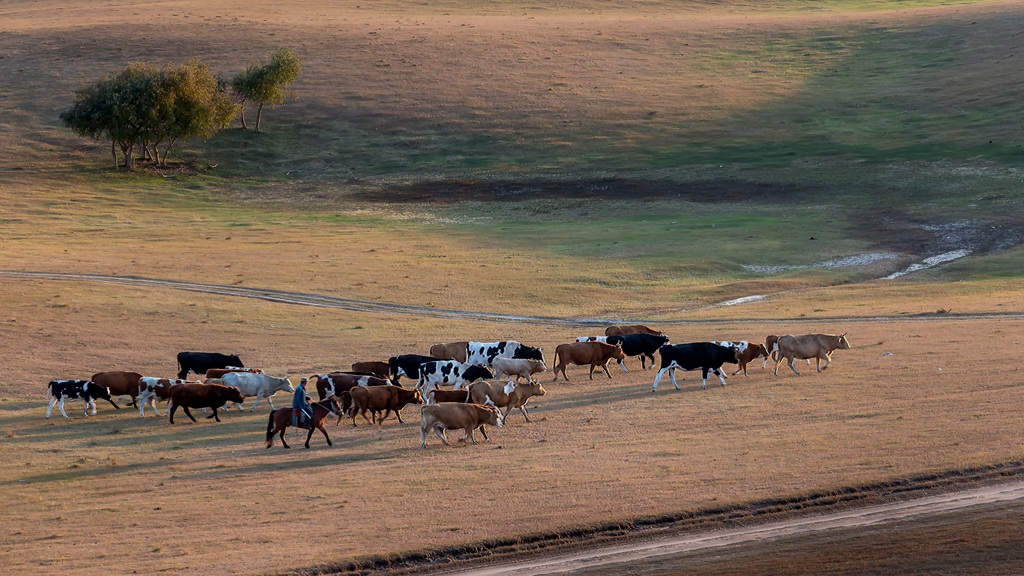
(771, 344)
(469, 417)
(593, 354)
(119, 383)
(518, 367)
(449, 351)
(511, 395)
(818, 346)
(619, 330)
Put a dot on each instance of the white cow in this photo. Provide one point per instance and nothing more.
(259, 385)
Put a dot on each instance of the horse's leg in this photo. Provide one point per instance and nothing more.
(324, 430)
(310, 435)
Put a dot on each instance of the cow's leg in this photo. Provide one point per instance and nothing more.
(672, 375)
(792, 364)
(259, 396)
(622, 365)
(270, 400)
(827, 362)
(387, 412)
(605, 368)
(169, 404)
(398, 413)
(440, 434)
(215, 416)
(657, 379)
(60, 405)
(484, 432)
(90, 407)
(721, 375)
(187, 413)
(49, 409)
(173, 408)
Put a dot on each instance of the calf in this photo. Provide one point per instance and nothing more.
(818, 346)
(407, 365)
(153, 389)
(469, 417)
(583, 353)
(510, 395)
(642, 345)
(620, 330)
(706, 356)
(745, 353)
(57, 391)
(381, 398)
(119, 383)
(518, 367)
(438, 395)
(202, 396)
(200, 362)
(437, 372)
(450, 351)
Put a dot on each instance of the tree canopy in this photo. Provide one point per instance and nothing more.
(266, 84)
(149, 107)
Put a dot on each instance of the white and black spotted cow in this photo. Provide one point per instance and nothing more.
(57, 391)
(483, 353)
(437, 372)
(407, 365)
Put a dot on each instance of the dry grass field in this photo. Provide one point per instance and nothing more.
(576, 160)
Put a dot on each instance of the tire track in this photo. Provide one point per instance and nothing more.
(335, 302)
(612, 556)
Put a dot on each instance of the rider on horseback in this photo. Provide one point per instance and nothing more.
(302, 412)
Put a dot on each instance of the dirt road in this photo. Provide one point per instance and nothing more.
(609, 557)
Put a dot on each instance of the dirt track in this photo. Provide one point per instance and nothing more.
(858, 517)
(317, 300)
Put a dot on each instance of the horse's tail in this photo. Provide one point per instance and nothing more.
(270, 429)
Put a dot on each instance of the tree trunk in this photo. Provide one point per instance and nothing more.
(242, 115)
(113, 152)
(163, 162)
(259, 117)
(129, 152)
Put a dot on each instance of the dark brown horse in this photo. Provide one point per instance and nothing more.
(281, 419)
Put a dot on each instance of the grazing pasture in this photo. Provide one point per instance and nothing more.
(719, 172)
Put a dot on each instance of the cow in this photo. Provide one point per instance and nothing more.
(771, 344)
(437, 372)
(338, 384)
(438, 395)
(468, 417)
(450, 351)
(640, 344)
(619, 330)
(381, 398)
(376, 368)
(509, 395)
(119, 383)
(483, 353)
(202, 396)
(583, 353)
(200, 362)
(57, 391)
(153, 389)
(706, 356)
(746, 353)
(220, 372)
(518, 367)
(819, 346)
(259, 385)
(592, 339)
(407, 365)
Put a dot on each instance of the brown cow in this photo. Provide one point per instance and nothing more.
(438, 395)
(583, 353)
(819, 346)
(450, 351)
(202, 396)
(468, 417)
(378, 369)
(381, 398)
(119, 383)
(511, 395)
(771, 344)
(619, 330)
(335, 383)
(220, 372)
(745, 353)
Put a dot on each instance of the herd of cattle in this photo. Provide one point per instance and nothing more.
(483, 377)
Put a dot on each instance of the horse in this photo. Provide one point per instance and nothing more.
(281, 419)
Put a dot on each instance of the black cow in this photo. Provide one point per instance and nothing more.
(642, 345)
(200, 362)
(407, 365)
(703, 355)
(483, 353)
(437, 372)
(57, 391)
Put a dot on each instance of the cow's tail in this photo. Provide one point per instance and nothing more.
(270, 429)
(49, 391)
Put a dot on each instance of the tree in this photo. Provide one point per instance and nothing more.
(148, 107)
(266, 84)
